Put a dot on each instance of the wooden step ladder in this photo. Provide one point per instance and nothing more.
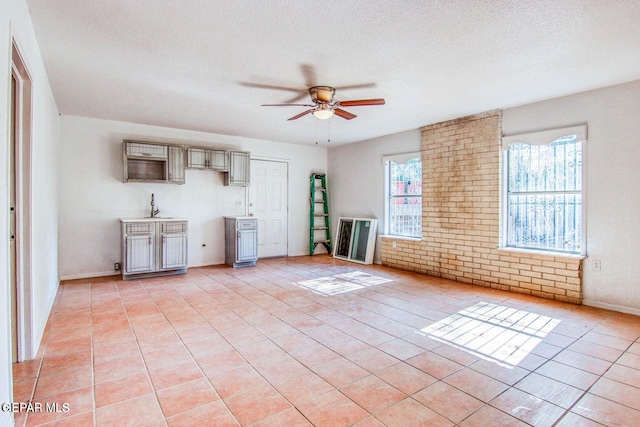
(319, 213)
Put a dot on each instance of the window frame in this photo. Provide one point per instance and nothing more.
(398, 159)
(545, 137)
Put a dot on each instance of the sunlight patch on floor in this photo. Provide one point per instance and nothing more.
(341, 283)
(493, 332)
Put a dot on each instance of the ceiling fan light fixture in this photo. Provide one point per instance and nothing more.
(323, 113)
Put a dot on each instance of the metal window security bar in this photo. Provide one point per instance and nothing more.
(319, 232)
(544, 196)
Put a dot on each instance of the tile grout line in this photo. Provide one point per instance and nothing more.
(193, 358)
(335, 388)
(146, 368)
(93, 365)
(266, 337)
(246, 300)
(595, 382)
(46, 339)
(243, 357)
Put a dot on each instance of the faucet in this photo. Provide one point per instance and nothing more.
(154, 211)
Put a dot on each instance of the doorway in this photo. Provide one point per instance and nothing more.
(269, 201)
(20, 125)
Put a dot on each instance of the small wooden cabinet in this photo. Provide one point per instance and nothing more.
(239, 169)
(207, 158)
(153, 162)
(241, 241)
(153, 247)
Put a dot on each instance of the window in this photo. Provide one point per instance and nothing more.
(404, 195)
(543, 191)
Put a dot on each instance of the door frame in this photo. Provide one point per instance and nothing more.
(248, 197)
(21, 115)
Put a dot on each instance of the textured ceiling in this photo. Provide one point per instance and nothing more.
(200, 64)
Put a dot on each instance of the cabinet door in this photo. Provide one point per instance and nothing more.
(218, 160)
(238, 168)
(176, 164)
(247, 249)
(196, 158)
(140, 253)
(174, 251)
(142, 149)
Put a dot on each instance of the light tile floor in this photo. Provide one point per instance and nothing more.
(349, 345)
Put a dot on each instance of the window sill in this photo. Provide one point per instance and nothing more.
(392, 237)
(544, 253)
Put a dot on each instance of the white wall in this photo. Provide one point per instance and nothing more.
(15, 24)
(356, 178)
(613, 189)
(93, 195)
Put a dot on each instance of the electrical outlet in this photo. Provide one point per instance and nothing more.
(393, 244)
(116, 266)
(596, 265)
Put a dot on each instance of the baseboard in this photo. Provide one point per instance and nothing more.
(89, 275)
(38, 335)
(613, 307)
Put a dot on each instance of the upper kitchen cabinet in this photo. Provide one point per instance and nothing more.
(207, 158)
(239, 169)
(153, 162)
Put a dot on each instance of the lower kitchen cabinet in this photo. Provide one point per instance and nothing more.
(153, 247)
(241, 241)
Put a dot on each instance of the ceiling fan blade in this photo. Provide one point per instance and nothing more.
(297, 116)
(309, 74)
(303, 94)
(276, 87)
(361, 102)
(287, 105)
(344, 114)
(360, 86)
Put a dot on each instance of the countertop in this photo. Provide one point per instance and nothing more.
(147, 219)
(241, 217)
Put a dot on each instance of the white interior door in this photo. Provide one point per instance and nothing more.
(21, 180)
(269, 200)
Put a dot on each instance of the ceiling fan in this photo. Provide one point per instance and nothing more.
(324, 106)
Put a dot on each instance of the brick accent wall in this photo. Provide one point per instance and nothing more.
(461, 218)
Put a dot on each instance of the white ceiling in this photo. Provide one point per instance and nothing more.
(198, 64)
